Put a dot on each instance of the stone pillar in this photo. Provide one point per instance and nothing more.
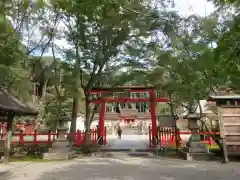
(60, 149)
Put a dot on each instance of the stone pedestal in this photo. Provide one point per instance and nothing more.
(194, 145)
(195, 150)
(60, 150)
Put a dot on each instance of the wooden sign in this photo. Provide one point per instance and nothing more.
(166, 121)
(3, 118)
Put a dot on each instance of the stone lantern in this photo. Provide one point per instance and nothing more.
(194, 148)
(60, 147)
(193, 126)
(62, 127)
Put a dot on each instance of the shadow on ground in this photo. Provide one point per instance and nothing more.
(125, 169)
(6, 175)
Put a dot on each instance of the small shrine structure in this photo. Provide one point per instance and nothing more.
(9, 108)
(228, 110)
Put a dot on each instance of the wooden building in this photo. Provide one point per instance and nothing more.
(9, 108)
(228, 110)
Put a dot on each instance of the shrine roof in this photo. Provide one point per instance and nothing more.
(119, 88)
(9, 103)
(225, 97)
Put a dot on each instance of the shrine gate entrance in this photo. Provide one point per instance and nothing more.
(123, 94)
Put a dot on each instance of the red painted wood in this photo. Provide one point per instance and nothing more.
(172, 135)
(153, 113)
(131, 100)
(79, 137)
(101, 119)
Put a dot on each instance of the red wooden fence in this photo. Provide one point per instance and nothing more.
(48, 138)
(167, 136)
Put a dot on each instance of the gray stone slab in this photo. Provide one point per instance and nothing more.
(196, 150)
(59, 156)
(190, 156)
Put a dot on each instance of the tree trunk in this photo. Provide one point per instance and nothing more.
(75, 108)
(87, 120)
(44, 90)
(173, 114)
(8, 137)
(201, 116)
(59, 107)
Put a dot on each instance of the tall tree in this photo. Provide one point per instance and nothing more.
(98, 32)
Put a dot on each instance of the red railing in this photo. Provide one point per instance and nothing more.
(48, 138)
(172, 135)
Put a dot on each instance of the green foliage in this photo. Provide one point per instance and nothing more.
(228, 52)
(9, 49)
(192, 68)
(186, 58)
(226, 2)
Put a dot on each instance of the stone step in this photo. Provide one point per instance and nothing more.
(140, 154)
(196, 156)
(126, 150)
(59, 156)
(58, 150)
(123, 154)
(197, 145)
(196, 150)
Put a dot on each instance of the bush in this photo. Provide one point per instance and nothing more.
(213, 147)
(30, 150)
(88, 148)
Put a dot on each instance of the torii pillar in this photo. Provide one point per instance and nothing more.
(101, 123)
(153, 115)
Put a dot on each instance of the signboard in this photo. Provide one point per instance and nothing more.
(128, 112)
(166, 121)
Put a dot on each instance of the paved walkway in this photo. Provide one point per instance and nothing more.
(129, 142)
(11, 166)
(125, 168)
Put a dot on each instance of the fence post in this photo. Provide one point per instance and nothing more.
(159, 135)
(49, 137)
(91, 136)
(21, 137)
(210, 141)
(35, 137)
(95, 135)
(164, 136)
(168, 136)
(149, 135)
(178, 138)
(78, 138)
(2, 131)
(105, 136)
(85, 134)
(173, 135)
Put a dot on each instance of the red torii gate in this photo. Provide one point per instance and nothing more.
(108, 90)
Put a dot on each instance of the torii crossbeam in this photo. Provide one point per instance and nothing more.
(152, 99)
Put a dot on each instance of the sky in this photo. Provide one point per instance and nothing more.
(189, 7)
(184, 8)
